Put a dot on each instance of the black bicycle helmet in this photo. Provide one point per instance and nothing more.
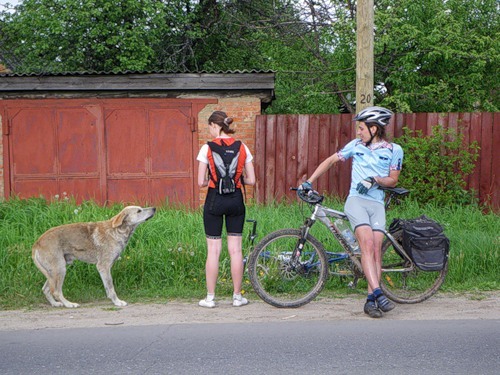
(376, 115)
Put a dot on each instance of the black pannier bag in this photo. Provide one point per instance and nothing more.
(424, 241)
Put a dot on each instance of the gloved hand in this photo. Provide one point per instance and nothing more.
(305, 186)
(365, 185)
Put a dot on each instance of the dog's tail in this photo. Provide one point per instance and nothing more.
(38, 262)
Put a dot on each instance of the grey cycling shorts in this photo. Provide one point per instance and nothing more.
(361, 211)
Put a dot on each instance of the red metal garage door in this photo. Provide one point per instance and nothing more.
(113, 150)
(51, 151)
(149, 153)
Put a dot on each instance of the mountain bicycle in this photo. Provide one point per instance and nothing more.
(252, 235)
(289, 267)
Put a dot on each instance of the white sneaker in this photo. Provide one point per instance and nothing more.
(242, 301)
(205, 303)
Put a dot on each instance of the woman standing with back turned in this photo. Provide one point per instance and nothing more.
(224, 201)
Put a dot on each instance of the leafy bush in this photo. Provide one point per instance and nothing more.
(435, 166)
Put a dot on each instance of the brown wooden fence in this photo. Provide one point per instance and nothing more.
(289, 147)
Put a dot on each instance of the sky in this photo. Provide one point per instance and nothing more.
(11, 2)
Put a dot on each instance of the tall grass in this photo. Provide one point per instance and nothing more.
(165, 259)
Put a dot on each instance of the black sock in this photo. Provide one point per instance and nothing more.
(377, 293)
(370, 298)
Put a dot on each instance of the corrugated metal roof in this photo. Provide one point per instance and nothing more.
(127, 72)
(174, 84)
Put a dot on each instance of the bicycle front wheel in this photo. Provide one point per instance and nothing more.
(412, 285)
(282, 281)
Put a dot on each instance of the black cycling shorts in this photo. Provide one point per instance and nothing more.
(228, 206)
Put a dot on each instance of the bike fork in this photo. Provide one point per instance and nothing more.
(300, 243)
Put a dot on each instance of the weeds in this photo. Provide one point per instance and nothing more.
(165, 259)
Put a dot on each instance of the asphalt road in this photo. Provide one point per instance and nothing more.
(305, 347)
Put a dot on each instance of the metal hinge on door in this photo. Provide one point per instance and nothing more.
(193, 124)
(5, 125)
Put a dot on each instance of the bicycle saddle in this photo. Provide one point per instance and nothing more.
(398, 191)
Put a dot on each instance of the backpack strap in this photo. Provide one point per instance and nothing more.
(244, 189)
(211, 170)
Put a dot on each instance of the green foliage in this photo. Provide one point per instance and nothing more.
(74, 35)
(435, 166)
(438, 56)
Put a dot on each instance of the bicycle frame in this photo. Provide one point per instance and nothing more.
(400, 249)
(323, 215)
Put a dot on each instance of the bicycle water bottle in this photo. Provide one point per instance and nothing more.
(348, 235)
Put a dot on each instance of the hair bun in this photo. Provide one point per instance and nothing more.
(228, 121)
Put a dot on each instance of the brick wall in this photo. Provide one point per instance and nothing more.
(243, 111)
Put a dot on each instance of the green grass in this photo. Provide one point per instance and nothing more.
(165, 259)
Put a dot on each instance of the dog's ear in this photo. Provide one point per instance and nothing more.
(118, 220)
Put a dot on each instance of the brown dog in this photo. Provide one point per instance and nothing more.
(99, 243)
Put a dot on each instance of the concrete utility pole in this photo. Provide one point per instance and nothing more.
(364, 54)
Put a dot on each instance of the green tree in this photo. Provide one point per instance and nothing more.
(438, 56)
(74, 35)
(296, 40)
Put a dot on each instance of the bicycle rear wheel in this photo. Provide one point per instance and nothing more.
(280, 282)
(407, 286)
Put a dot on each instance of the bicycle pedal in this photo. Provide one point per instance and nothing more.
(353, 284)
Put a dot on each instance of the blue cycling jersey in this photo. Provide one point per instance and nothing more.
(375, 160)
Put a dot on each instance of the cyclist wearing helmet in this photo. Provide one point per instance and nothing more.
(375, 162)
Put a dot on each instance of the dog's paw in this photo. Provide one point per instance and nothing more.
(57, 304)
(71, 305)
(120, 303)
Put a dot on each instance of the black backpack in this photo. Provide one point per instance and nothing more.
(226, 161)
(424, 241)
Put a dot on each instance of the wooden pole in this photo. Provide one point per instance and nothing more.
(364, 54)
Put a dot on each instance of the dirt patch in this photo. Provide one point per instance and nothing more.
(441, 307)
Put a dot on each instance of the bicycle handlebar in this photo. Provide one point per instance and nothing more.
(313, 197)
(309, 196)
